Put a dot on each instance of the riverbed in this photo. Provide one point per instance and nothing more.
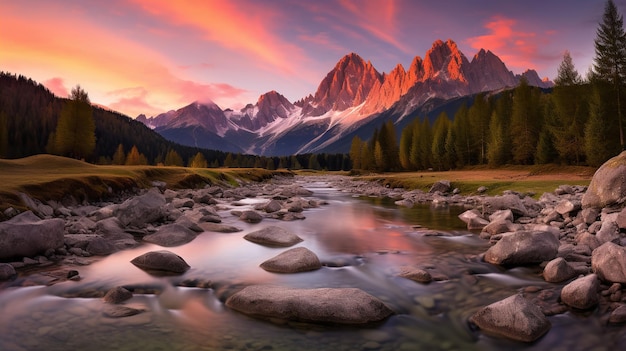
(362, 242)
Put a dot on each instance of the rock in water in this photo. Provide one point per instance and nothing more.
(608, 185)
(171, 235)
(117, 295)
(7, 271)
(325, 305)
(609, 262)
(165, 261)
(273, 236)
(295, 260)
(582, 293)
(26, 235)
(514, 317)
(523, 247)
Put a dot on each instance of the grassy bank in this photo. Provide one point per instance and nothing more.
(524, 179)
(47, 177)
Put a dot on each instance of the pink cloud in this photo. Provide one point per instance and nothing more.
(517, 48)
(322, 39)
(57, 87)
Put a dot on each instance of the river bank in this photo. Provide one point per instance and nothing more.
(170, 218)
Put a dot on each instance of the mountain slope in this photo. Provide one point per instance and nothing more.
(351, 95)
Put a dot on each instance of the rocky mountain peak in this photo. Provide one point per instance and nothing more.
(347, 85)
(272, 105)
(533, 79)
(445, 60)
(487, 72)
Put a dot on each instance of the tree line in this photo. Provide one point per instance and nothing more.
(578, 122)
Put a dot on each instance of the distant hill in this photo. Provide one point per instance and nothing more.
(29, 113)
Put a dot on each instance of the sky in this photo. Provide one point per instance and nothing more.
(151, 56)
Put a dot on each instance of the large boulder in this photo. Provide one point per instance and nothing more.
(608, 185)
(163, 261)
(582, 293)
(171, 235)
(143, 209)
(26, 235)
(7, 271)
(273, 236)
(522, 248)
(473, 219)
(299, 259)
(325, 305)
(609, 262)
(514, 317)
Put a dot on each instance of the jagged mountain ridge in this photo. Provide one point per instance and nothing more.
(351, 95)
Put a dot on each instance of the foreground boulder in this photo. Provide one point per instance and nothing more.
(140, 210)
(171, 235)
(326, 305)
(609, 262)
(164, 261)
(273, 236)
(7, 271)
(514, 317)
(558, 270)
(608, 185)
(523, 247)
(295, 260)
(26, 235)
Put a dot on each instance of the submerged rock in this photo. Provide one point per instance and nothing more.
(171, 235)
(117, 295)
(514, 317)
(299, 259)
(325, 305)
(273, 236)
(165, 261)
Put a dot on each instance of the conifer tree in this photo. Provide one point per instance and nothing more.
(438, 148)
(134, 158)
(172, 158)
(75, 133)
(4, 134)
(119, 157)
(610, 60)
(463, 138)
(355, 152)
(198, 161)
(525, 123)
(597, 149)
(478, 116)
(405, 147)
(496, 147)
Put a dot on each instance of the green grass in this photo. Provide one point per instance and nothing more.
(47, 177)
(524, 179)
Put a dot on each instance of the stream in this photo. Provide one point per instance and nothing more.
(363, 243)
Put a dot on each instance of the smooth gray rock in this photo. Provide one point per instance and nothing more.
(416, 274)
(505, 202)
(608, 185)
(141, 210)
(117, 295)
(299, 259)
(558, 270)
(272, 206)
(442, 186)
(171, 235)
(165, 261)
(100, 247)
(473, 219)
(523, 247)
(251, 217)
(514, 318)
(273, 236)
(28, 235)
(609, 262)
(565, 207)
(582, 293)
(219, 228)
(324, 305)
(618, 316)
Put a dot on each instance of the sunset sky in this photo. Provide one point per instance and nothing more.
(150, 56)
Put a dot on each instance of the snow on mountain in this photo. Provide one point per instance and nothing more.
(352, 94)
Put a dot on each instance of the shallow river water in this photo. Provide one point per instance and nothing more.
(364, 243)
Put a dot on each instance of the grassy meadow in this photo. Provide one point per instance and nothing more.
(48, 177)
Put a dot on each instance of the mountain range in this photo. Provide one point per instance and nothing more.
(352, 98)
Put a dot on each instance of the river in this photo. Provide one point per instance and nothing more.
(363, 242)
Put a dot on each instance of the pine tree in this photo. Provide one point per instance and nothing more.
(229, 161)
(119, 157)
(75, 133)
(134, 158)
(546, 152)
(566, 73)
(496, 148)
(479, 115)
(463, 137)
(525, 123)
(597, 149)
(610, 60)
(355, 152)
(198, 161)
(173, 159)
(4, 134)
(438, 148)
(405, 147)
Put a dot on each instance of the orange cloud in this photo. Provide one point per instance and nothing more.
(50, 45)
(515, 47)
(224, 22)
(57, 87)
